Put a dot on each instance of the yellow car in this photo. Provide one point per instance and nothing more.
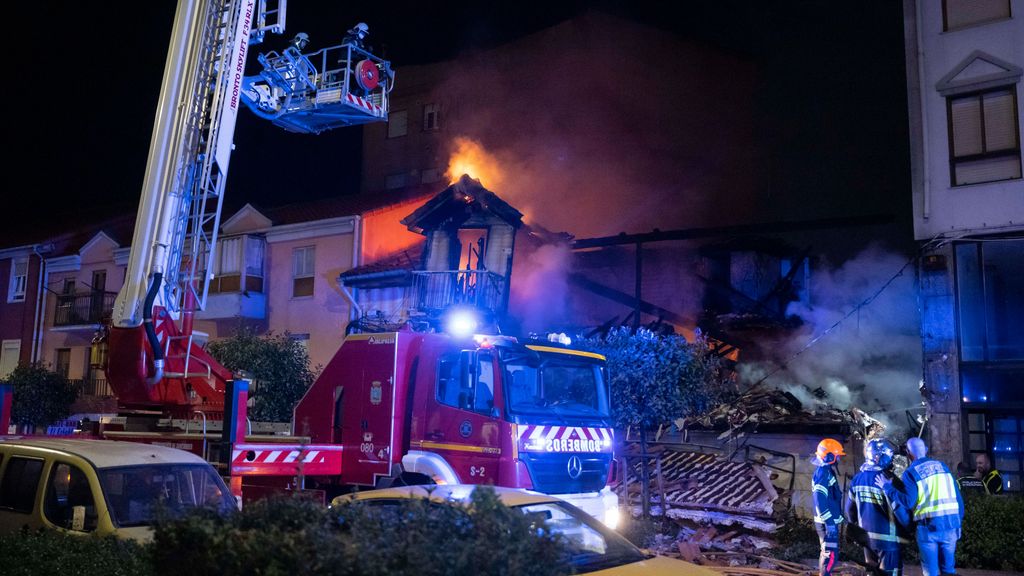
(596, 549)
(100, 486)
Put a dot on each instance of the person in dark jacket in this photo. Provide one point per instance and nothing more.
(989, 476)
(828, 499)
(967, 480)
(931, 492)
(880, 523)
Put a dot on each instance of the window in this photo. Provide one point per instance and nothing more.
(458, 388)
(302, 340)
(19, 280)
(984, 142)
(431, 117)
(20, 483)
(430, 175)
(67, 490)
(62, 361)
(962, 13)
(990, 279)
(10, 355)
(398, 123)
(303, 270)
(394, 181)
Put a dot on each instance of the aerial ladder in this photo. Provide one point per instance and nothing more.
(149, 350)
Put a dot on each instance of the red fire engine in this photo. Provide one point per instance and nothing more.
(398, 407)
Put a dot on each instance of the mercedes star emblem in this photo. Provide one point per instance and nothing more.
(575, 467)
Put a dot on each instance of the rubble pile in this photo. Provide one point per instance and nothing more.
(770, 406)
(724, 513)
(704, 488)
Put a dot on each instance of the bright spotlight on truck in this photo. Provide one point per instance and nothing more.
(461, 323)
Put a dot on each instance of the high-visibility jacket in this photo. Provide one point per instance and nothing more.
(867, 506)
(930, 490)
(993, 482)
(828, 496)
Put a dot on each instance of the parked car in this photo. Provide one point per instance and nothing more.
(594, 548)
(101, 486)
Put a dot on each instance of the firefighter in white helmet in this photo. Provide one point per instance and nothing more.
(356, 35)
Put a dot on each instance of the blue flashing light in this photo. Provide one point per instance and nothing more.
(462, 323)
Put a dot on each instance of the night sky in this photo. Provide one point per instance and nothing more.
(831, 98)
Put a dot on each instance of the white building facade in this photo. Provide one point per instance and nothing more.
(964, 69)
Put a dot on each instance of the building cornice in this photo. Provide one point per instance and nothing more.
(314, 229)
(72, 263)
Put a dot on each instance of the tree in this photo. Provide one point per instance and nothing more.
(41, 396)
(655, 379)
(278, 366)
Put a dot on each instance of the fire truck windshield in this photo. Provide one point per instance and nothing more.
(556, 384)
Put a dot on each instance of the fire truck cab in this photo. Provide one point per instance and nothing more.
(418, 408)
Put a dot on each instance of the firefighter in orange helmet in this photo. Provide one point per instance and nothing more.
(828, 502)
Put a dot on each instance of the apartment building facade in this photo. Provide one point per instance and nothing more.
(964, 68)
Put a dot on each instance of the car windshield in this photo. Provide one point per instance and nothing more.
(590, 545)
(135, 493)
(554, 383)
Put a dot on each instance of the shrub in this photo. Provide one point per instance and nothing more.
(278, 366)
(41, 396)
(50, 552)
(285, 535)
(992, 536)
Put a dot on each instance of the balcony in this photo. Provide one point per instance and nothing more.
(93, 387)
(436, 291)
(237, 289)
(88, 309)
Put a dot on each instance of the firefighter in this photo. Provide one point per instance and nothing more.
(930, 491)
(881, 524)
(300, 41)
(989, 476)
(357, 35)
(828, 498)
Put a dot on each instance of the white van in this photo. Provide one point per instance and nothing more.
(101, 486)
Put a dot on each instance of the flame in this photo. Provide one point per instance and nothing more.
(469, 157)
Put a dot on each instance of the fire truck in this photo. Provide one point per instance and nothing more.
(390, 408)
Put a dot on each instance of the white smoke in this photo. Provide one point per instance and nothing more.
(872, 359)
(540, 288)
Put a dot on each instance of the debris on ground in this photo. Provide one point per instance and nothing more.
(723, 513)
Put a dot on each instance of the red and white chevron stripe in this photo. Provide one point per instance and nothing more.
(564, 438)
(363, 103)
(284, 459)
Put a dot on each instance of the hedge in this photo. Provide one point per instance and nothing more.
(49, 552)
(291, 536)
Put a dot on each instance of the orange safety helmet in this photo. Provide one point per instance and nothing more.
(829, 451)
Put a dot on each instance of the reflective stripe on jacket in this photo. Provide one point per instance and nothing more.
(868, 507)
(828, 496)
(933, 494)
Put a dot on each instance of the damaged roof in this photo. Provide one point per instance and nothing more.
(459, 203)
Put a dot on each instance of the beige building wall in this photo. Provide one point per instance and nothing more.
(321, 317)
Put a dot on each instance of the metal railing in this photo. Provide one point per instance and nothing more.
(93, 387)
(83, 309)
(436, 290)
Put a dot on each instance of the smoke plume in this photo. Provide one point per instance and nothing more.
(540, 290)
(872, 359)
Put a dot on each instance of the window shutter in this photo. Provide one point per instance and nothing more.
(966, 115)
(1000, 124)
(960, 13)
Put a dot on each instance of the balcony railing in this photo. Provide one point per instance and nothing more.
(435, 291)
(93, 387)
(83, 309)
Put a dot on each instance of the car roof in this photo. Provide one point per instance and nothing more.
(458, 492)
(108, 453)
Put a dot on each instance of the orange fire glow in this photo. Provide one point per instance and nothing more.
(469, 157)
